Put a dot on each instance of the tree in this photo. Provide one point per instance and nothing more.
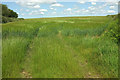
(5, 10)
(8, 12)
(12, 14)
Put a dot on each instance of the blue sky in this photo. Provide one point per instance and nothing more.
(36, 9)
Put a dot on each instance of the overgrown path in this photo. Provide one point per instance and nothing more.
(24, 72)
(85, 70)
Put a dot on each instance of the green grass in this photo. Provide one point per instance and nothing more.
(15, 48)
(73, 47)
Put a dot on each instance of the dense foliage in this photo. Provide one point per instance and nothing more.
(8, 19)
(113, 28)
(8, 15)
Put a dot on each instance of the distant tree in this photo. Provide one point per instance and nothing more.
(8, 12)
(5, 11)
(12, 14)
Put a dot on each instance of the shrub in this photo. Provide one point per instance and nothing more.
(8, 19)
(113, 31)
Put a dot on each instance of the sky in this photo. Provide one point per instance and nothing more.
(53, 8)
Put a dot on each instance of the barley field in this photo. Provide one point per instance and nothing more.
(66, 47)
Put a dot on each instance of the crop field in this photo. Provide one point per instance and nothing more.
(66, 47)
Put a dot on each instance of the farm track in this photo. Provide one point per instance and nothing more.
(25, 73)
(82, 62)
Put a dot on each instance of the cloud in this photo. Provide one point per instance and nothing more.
(27, 10)
(18, 13)
(112, 7)
(38, 12)
(22, 14)
(30, 3)
(91, 8)
(56, 5)
(93, 3)
(34, 3)
(36, 6)
(78, 11)
(82, 11)
(93, 0)
(42, 13)
(52, 8)
(53, 12)
(61, 0)
(111, 11)
(86, 11)
(81, 2)
(43, 10)
(69, 9)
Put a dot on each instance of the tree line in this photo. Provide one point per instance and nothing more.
(8, 12)
(8, 15)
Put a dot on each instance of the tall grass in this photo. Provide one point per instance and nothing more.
(14, 51)
(59, 48)
(16, 39)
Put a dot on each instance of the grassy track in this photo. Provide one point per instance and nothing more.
(59, 48)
